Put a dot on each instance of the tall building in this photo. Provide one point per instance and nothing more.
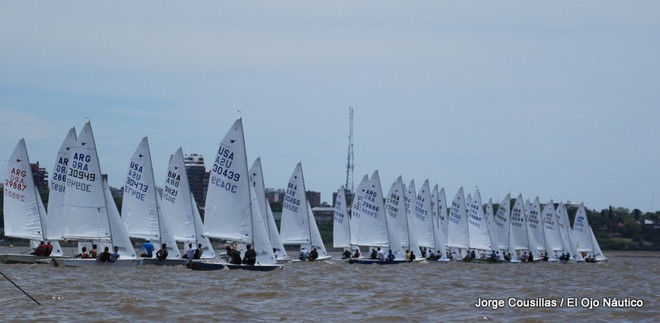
(314, 198)
(197, 176)
(40, 176)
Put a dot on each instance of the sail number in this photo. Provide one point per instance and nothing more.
(222, 184)
(226, 173)
(81, 174)
(14, 195)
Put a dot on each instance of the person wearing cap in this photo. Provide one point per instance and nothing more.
(148, 248)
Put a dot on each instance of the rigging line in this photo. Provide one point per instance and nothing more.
(28, 295)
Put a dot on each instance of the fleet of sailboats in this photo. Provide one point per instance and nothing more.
(407, 223)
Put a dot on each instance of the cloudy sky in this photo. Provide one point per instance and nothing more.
(558, 99)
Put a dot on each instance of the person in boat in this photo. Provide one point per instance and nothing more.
(407, 256)
(562, 257)
(198, 251)
(380, 254)
(545, 256)
(83, 254)
(114, 255)
(162, 253)
(473, 255)
(507, 257)
(41, 249)
(234, 256)
(530, 258)
(390, 255)
(422, 250)
(148, 249)
(49, 248)
(250, 257)
(190, 253)
(313, 255)
(346, 254)
(450, 256)
(431, 255)
(357, 253)
(93, 252)
(105, 255)
(304, 254)
(374, 253)
(412, 256)
(524, 257)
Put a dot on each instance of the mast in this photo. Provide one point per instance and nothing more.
(350, 162)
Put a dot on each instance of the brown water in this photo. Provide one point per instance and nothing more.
(334, 291)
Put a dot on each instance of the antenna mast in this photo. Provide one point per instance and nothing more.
(350, 164)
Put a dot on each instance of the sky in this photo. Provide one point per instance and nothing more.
(557, 100)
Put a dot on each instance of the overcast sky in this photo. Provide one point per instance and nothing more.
(558, 100)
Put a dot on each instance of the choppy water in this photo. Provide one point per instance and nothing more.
(333, 291)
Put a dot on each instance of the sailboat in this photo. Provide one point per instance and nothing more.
(24, 212)
(585, 241)
(298, 226)
(439, 215)
(422, 218)
(142, 211)
(518, 237)
(458, 236)
(232, 209)
(178, 204)
(535, 231)
(89, 211)
(551, 232)
(376, 229)
(401, 222)
(257, 179)
(567, 240)
(341, 230)
(479, 237)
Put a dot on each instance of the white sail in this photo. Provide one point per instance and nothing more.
(228, 212)
(477, 227)
(500, 226)
(181, 209)
(317, 241)
(90, 212)
(553, 244)
(393, 238)
(582, 233)
(489, 214)
(232, 210)
(141, 209)
(341, 230)
(422, 217)
(396, 211)
(118, 233)
(598, 254)
(443, 218)
(260, 238)
(518, 236)
(535, 229)
(458, 236)
(567, 241)
(24, 212)
(56, 229)
(439, 207)
(257, 179)
(356, 207)
(85, 211)
(371, 229)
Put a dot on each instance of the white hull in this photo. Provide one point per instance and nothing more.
(17, 258)
(76, 262)
(320, 258)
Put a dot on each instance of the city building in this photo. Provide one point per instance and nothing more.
(197, 176)
(40, 176)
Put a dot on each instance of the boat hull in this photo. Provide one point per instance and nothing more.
(207, 266)
(321, 258)
(376, 261)
(17, 258)
(166, 262)
(77, 262)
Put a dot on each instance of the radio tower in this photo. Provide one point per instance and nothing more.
(350, 164)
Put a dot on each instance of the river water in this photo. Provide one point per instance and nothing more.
(340, 292)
